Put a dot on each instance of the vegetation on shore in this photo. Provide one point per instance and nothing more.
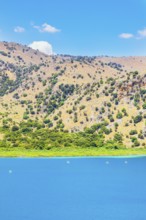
(33, 139)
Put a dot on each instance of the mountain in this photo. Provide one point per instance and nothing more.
(73, 93)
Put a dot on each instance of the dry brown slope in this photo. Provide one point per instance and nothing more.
(90, 75)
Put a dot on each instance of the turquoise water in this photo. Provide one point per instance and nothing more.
(73, 189)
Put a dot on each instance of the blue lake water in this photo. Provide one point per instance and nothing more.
(73, 189)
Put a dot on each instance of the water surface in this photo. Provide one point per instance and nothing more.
(73, 189)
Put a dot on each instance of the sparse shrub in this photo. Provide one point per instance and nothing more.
(133, 132)
(15, 128)
(137, 119)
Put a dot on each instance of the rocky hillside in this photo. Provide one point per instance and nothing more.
(73, 92)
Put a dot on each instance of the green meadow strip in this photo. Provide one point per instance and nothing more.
(70, 152)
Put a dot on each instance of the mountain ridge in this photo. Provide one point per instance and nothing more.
(74, 92)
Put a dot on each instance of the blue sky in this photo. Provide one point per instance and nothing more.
(77, 27)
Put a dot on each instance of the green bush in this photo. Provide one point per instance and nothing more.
(118, 138)
(144, 105)
(137, 119)
(119, 115)
(15, 128)
(133, 132)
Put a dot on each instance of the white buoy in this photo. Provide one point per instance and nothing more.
(107, 162)
(125, 161)
(68, 162)
(10, 171)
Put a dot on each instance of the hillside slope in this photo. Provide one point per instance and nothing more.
(74, 93)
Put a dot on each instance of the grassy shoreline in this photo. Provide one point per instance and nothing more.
(70, 152)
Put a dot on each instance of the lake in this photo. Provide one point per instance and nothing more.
(102, 188)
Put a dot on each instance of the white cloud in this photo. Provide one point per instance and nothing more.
(42, 46)
(142, 33)
(46, 28)
(19, 29)
(126, 35)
